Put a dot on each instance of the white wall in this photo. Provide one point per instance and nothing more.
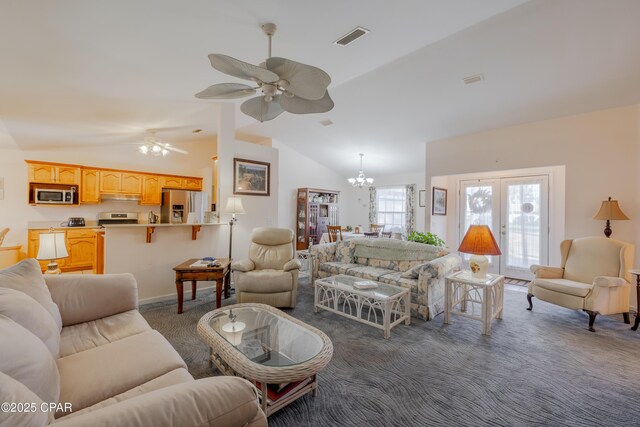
(600, 150)
(300, 171)
(358, 206)
(261, 211)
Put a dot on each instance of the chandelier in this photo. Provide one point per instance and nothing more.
(361, 180)
(152, 145)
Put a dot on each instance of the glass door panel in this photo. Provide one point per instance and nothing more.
(480, 205)
(524, 229)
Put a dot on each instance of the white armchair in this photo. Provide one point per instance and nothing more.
(594, 277)
(270, 275)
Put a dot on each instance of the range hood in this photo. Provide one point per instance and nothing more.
(122, 197)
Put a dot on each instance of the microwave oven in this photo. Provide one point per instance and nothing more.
(54, 195)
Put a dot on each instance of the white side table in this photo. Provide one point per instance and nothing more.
(479, 299)
(305, 258)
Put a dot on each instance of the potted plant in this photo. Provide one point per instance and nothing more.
(348, 228)
(426, 238)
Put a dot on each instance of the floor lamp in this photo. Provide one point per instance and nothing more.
(234, 206)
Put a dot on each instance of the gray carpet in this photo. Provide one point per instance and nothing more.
(537, 368)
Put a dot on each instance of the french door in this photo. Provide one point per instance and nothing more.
(517, 211)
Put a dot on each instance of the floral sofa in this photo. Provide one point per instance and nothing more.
(419, 267)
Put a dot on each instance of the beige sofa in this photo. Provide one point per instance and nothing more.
(78, 345)
(419, 267)
(270, 275)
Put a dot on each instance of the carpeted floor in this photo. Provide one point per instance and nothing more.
(537, 368)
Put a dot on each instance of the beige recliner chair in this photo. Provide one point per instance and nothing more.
(270, 275)
(594, 277)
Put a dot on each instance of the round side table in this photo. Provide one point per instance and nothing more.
(637, 322)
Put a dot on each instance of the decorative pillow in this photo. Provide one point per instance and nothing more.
(26, 312)
(26, 277)
(12, 391)
(26, 359)
(345, 251)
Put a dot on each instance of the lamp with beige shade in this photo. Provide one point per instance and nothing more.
(479, 241)
(234, 207)
(610, 210)
(52, 247)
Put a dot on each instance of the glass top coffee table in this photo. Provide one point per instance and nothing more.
(278, 353)
(382, 307)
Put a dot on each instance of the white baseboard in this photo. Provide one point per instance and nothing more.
(172, 296)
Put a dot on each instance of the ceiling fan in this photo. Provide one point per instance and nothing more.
(154, 146)
(285, 85)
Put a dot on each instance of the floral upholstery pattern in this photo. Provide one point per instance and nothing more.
(427, 287)
(366, 272)
(334, 268)
(345, 251)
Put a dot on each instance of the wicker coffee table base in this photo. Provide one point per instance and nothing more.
(231, 362)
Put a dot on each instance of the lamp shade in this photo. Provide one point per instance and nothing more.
(479, 241)
(52, 246)
(609, 210)
(234, 206)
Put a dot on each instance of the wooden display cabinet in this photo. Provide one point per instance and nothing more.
(315, 209)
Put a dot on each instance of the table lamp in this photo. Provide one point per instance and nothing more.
(609, 210)
(51, 248)
(479, 242)
(234, 206)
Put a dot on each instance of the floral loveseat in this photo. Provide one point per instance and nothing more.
(416, 266)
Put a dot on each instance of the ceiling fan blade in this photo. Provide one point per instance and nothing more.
(305, 81)
(262, 110)
(297, 105)
(226, 91)
(243, 70)
(177, 150)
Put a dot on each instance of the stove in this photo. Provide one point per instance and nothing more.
(117, 218)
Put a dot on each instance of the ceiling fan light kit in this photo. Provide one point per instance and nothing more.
(284, 85)
(155, 147)
(361, 180)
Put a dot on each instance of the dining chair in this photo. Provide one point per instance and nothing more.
(386, 234)
(371, 234)
(335, 233)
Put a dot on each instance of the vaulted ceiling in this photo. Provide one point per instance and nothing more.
(92, 72)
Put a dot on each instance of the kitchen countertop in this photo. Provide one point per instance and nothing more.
(161, 225)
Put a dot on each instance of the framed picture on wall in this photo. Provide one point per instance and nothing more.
(251, 178)
(422, 196)
(439, 201)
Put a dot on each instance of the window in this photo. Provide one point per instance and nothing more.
(391, 204)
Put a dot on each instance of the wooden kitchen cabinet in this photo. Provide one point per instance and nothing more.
(120, 182)
(192, 184)
(81, 246)
(131, 183)
(110, 181)
(51, 173)
(173, 182)
(90, 186)
(151, 190)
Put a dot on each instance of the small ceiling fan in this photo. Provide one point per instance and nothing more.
(152, 145)
(285, 85)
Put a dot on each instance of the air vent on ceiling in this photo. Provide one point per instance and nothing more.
(351, 36)
(326, 122)
(473, 79)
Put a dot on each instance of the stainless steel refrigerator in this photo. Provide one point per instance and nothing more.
(182, 207)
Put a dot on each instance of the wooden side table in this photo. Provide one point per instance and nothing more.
(637, 322)
(185, 273)
(463, 293)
